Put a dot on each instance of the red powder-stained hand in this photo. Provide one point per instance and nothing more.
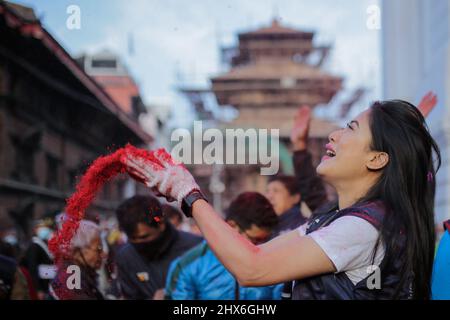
(427, 103)
(168, 178)
(139, 169)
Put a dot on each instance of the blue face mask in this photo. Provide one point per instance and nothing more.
(44, 233)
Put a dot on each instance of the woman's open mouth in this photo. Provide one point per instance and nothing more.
(330, 153)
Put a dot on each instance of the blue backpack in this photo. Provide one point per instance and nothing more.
(440, 285)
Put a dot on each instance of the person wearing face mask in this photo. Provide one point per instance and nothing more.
(76, 277)
(153, 243)
(38, 260)
(199, 275)
(9, 244)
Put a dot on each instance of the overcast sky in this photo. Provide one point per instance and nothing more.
(173, 37)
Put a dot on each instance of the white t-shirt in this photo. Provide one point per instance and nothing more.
(349, 243)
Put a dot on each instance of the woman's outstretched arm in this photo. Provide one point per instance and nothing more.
(287, 257)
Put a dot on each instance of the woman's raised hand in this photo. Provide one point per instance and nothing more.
(299, 133)
(427, 103)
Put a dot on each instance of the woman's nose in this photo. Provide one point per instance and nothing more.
(332, 137)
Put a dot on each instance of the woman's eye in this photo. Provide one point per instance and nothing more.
(349, 126)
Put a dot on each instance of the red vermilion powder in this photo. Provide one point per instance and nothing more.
(100, 172)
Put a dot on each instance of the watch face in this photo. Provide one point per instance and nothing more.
(186, 205)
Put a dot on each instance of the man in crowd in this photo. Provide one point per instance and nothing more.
(153, 243)
(284, 195)
(287, 193)
(38, 259)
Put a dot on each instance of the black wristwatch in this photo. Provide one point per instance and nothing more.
(188, 201)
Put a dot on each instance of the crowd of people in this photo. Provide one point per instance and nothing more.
(289, 243)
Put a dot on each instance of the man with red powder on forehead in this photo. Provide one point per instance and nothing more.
(143, 262)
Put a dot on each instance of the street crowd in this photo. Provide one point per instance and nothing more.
(289, 243)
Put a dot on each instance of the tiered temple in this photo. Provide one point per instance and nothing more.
(272, 74)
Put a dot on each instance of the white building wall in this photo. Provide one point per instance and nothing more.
(416, 59)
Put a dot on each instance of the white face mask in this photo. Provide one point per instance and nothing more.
(44, 233)
(11, 239)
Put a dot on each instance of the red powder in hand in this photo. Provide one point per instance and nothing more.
(100, 172)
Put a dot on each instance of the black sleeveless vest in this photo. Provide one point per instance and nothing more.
(337, 285)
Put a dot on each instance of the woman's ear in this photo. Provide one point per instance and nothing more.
(378, 161)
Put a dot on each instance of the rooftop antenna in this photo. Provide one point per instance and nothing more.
(249, 22)
(178, 74)
(130, 44)
(219, 46)
(275, 14)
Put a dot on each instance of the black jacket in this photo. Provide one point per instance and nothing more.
(337, 286)
(36, 256)
(310, 184)
(289, 220)
(139, 278)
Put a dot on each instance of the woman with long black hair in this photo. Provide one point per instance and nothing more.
(376, 242)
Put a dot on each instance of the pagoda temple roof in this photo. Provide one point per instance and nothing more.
(276, 29)
(319, 127)
(274, 70)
